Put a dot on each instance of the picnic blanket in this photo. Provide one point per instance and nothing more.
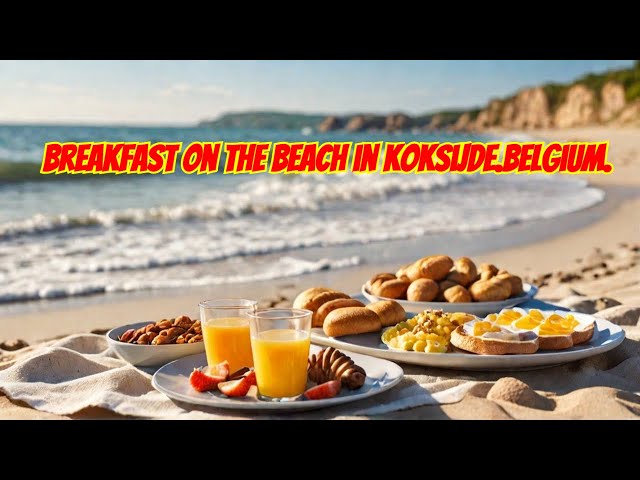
(81, 371)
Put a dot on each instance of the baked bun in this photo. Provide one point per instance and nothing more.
(457, 294)
(351, 321)
(514, 280)
(492, 290)
(328, 307)
(422, 290)
(464, 272)
(388, 286)
(435, 267)
(390, 312)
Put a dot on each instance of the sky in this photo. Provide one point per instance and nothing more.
(185, 92)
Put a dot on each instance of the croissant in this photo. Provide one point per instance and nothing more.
(332, 364)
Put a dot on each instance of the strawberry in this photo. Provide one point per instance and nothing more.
(251, 377)
(324, 390)
(219, 370)
(235, 388)
(203, 382)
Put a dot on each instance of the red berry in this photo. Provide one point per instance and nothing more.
(325, 390)
(203, 382)
(235, 388)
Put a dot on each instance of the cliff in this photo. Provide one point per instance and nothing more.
(609, 98)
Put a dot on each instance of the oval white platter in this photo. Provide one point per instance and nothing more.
(474, 308)
(173, 381)
(606, 337)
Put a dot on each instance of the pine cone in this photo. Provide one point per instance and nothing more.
(332, 364)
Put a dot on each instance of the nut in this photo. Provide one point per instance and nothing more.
(127, 336)
(161, 340)
(183, 322)
(151, 328)
(137, 334)
(163, 332)
(162, 324)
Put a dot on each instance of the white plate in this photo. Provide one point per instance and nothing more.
(173, 381)
(149, 355)
(474, 308)
(606, 337)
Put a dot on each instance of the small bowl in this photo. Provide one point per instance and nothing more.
(149, 355)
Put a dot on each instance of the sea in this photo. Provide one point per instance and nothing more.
(92, 235)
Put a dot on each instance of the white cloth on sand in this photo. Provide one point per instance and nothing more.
(81, 371)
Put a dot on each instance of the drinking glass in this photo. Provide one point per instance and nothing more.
(225, 331)
(280, 340)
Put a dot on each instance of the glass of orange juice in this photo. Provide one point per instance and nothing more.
(280, 340)
(225, 331)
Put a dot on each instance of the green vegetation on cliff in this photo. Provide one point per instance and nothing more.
(628, 77)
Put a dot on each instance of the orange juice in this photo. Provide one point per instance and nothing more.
(280, 359)
(228, 339)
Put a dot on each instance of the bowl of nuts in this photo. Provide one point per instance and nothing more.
(153, 344)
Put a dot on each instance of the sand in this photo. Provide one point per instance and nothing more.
(564, 265)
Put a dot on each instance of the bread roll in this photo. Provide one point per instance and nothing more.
(390, 312)
(457, 294)
(402, 272)
(435, 267)
(487, 271)
(328, 307)
(514, 280)
(464, 272)
(443, 286)
(351, 321)
(313, 298)
(458, 277)
(422, 290)
(305, 299)
(388, 286)
(491, 290)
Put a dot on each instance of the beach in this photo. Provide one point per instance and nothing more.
(593, 253)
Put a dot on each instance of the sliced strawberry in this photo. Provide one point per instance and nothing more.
(251, 377)
(324, 390)
(202, 382)
(219, 370)
(235, 388)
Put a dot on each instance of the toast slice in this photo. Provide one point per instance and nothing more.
(555, 331)
(501, 341)
(582, 334)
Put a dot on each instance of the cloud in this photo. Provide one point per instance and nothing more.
(44, 87)
(181, 89)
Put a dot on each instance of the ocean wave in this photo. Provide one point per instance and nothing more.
(266, 195)
(282, 268)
